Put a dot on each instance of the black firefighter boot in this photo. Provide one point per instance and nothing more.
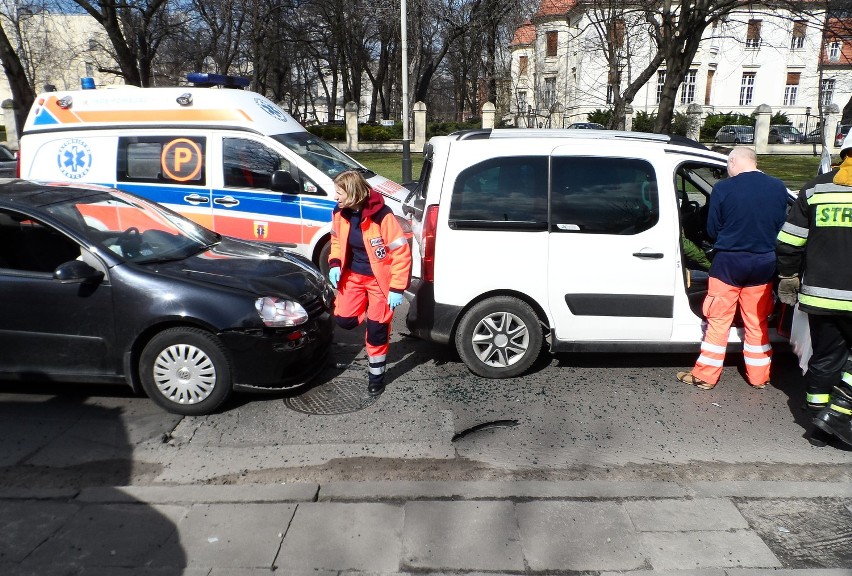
(836, 418)
(815, 436)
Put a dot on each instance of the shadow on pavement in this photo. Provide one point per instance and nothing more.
(61, 463)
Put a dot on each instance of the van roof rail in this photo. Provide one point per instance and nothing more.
(471, 134)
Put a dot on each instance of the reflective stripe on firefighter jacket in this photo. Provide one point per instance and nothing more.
(384, 241)
(816, 242)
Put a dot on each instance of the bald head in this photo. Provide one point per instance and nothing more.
(741, 159)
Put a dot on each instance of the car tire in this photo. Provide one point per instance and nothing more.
(736, 141)
(499, 338)
(186, 371)
(322, 258)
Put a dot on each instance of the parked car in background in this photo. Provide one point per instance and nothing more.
(586, 126)
(785, 134)
(840, 135)
(733, 134)
(102, 286)
(814, 136)
(8, 162)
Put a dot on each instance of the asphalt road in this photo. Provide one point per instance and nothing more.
(581, 416)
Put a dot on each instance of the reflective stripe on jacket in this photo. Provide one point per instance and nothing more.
(384, 240)
(816, 242)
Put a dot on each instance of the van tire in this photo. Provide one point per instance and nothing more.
(499, 337)
(186, 371)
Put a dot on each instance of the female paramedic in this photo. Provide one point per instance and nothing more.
(369, 264)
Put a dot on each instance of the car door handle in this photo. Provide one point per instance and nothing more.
(226, 201)
(196, 199)
(649, 255)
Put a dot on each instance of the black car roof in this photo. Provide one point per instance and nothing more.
(24, 193)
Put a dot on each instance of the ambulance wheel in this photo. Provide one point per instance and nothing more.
(322, 258)
(186, 371)
(499, 338)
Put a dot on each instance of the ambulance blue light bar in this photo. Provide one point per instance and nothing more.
(206, 80)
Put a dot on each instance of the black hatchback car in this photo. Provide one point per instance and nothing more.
(102, 286)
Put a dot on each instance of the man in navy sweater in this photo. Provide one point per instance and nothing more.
(746, 212)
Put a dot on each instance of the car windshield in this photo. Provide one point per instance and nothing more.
(320, 154)
(134, 229)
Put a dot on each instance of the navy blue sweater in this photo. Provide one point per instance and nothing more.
(746, 213)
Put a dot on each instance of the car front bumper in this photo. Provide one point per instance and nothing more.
(271, 360)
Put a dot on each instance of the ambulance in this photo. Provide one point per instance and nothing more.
(229, 159)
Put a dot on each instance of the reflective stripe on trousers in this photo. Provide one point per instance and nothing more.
(720, 306)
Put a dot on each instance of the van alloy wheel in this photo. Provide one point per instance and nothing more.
(499, 337)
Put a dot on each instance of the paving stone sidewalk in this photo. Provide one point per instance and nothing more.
(606, 528)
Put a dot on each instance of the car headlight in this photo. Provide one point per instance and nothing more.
(277, 312)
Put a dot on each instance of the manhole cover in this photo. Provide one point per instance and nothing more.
(340, 396)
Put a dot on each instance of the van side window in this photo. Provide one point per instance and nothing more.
(603, 195)
(162, 159)
(500, 192)
(249, 164)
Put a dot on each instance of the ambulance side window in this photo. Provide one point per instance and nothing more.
(250, 164)
(162, 159)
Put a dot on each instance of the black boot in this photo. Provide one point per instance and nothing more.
(836, 418)
(815, 436)
(376, 385)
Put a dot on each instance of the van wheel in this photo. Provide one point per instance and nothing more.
(499, 337)
(186, 371)
(322, 264)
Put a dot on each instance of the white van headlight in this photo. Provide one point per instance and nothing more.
(277, 312)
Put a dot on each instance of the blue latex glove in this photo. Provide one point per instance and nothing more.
(334, 276)
(394, 299)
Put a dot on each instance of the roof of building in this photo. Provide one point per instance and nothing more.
(554, 7)
(525, 34)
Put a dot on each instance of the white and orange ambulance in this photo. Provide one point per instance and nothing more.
(227, 158)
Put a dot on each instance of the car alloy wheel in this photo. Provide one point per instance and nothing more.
(499, 337)
(186, 371)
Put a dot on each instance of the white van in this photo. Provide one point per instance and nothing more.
(569, 236)
(229, 159)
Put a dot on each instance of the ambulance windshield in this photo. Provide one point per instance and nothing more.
(322, 155)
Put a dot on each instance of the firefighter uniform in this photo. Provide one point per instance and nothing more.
(374, 257)
(816, 244)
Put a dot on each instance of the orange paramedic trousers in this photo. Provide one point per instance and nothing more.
(719, 308)
(357, 294)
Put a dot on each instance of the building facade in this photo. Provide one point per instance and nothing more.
(564, 63)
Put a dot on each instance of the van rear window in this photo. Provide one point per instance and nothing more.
(162, 159)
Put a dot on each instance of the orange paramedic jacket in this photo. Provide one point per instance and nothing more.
(384, 240)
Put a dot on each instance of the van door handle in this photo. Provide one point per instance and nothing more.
(196, 199)
(649, 255)
(226, 201)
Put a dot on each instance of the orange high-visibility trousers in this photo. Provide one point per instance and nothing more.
(357, 294)
(720, 306)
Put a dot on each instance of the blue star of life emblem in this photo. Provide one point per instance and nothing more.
(75, 159)
(271, 109)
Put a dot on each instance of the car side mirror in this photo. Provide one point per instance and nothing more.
(77, 272)
(283, 181)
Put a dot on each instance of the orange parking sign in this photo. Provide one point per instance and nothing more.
(181, 159)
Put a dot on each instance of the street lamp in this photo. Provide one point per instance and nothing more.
(406, 143)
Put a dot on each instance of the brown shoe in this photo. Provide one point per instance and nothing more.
(689, 378)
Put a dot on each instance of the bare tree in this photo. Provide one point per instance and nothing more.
(135, 29)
